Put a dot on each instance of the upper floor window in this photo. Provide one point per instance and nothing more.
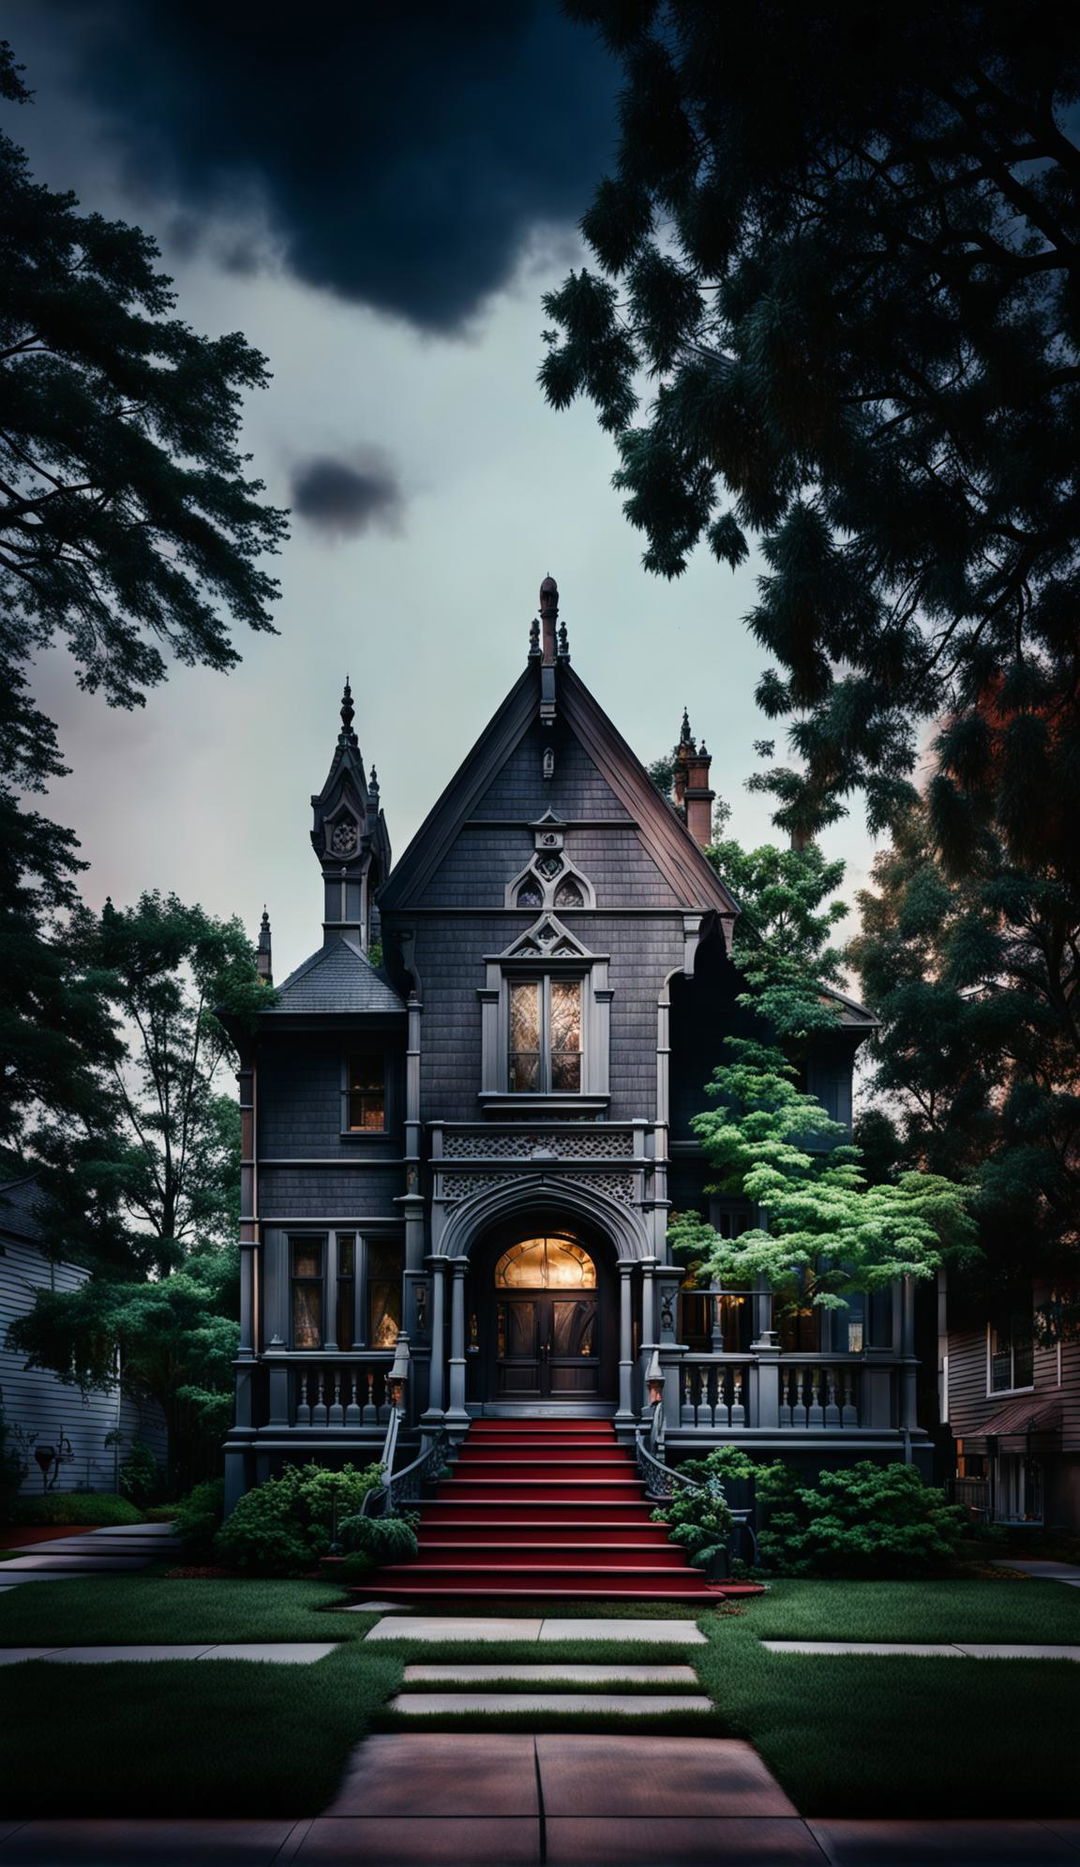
(1012, 1354)
(545, 1035)
(307, 1292)
(367, 1092)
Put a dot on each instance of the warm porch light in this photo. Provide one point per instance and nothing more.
(398, 1378)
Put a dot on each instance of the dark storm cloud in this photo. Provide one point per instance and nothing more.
(342, 499)
(403, 152)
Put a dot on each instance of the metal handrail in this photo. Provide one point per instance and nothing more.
(662, 1480)
(403, 1487)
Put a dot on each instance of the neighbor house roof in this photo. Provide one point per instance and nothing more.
(338, 979)
(20, 1201)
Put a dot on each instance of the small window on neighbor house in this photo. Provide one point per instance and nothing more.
(1012, 1354)
(367, 1092)
(307, 1293)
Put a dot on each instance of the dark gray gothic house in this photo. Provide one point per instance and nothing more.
(466, 1118)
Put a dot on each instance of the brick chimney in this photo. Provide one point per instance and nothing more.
(699, 797)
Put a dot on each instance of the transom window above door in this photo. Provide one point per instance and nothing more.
(545, 1264)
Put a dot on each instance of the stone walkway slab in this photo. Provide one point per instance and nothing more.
(873, 1648)
(279, 1653)
(75, 1565)
(938, 1844)
(659, 1633)
(573, 1674)
(449, 1627)
(676, 1841)
(1043, 1571)
(997, 1650)
(662, 1777)
(413, 1841)
(145, 1844)
(489, 1773)
(565, 1704)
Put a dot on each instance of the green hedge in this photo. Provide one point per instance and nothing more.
(92, 1507)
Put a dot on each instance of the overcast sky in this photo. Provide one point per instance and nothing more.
(380, 214)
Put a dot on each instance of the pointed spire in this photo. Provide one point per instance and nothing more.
(534, 639)
(263, 960)
(373, 791)
(685, 738)
(347, 737)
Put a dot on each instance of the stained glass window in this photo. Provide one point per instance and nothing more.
(307, 1293)
(367, 1092)
(525, 1034)
(384, 1294)
(545, 1264)
(545, 1035)
(568, 894)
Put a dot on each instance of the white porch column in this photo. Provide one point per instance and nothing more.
(434, 1411)
(625, 1415)
(456, 1414)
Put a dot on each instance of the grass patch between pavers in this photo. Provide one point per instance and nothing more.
(846, 1736)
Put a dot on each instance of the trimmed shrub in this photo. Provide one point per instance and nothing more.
(283, 1526)
(198, 1519)
(383, 1539)
(701, 1520)
(90, 1507)
(865, 1522)
(140, 1476)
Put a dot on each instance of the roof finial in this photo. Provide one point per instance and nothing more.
(347, 736)
(684, 736)
(549, 611)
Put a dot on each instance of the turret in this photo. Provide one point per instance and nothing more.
(348, 835)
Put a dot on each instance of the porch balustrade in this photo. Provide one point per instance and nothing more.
(724, 1393)
(345, 1393)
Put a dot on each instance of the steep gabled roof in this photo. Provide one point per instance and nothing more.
(692, 879)
(338, 979)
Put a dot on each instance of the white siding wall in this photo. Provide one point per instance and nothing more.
(40, 1403)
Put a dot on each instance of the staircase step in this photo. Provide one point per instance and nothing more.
(498, 1577)
(401, 1591)
(485, 1530)
(551, 1451)
(501, 1510)
(564, 1555)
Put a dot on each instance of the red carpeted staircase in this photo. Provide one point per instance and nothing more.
(543, 1508)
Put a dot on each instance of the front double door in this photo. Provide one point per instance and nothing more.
(546, 1347)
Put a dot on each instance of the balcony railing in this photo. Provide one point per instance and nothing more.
(714, 1393)
(816, 1394)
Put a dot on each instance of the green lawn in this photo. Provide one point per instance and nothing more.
(845, 1736)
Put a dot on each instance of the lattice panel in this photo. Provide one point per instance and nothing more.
(612, 1144)
(618, 1186)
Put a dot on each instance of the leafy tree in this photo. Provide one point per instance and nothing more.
(976, 1067)
(842, 247)
(154, 1169)
(174, 1340)
(129, 530)
(782, 937)
(821, 1227)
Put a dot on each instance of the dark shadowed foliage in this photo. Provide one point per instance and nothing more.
(402, 153)
(342, 500)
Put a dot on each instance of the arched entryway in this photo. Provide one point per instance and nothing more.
(546, 1324)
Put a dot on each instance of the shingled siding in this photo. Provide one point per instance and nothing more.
(476, 869)
(40, 1403)
(576, 789)
(449, 958)
(300, 1101)
(365, 1191)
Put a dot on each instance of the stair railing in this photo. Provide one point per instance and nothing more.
(404, 1487)
(663, 1480)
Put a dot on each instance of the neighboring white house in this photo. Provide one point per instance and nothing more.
(37, 1400)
